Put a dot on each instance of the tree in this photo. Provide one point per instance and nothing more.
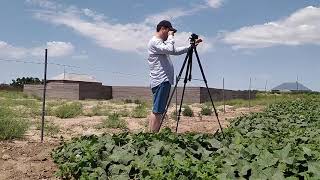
(19, 82)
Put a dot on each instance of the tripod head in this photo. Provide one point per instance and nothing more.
(194, 40)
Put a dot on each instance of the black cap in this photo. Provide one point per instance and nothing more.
(167, 24)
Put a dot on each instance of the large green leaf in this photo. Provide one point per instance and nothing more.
(266, 159)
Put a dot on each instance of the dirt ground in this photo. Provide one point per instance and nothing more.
(29, 159)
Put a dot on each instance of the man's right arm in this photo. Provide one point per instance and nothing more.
(160, 47)
(168, 47)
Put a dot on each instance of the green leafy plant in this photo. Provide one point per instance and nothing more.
(281, 142)
(137, 156)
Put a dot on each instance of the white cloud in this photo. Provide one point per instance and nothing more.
(215, 3)
(170, 15)
(176, 13)
(60, 48)
(55, 49)
(129, 37)
(95, 16)
(125, 37)
(302, 27)
(9, 51)
(80, 57)
(44, 3)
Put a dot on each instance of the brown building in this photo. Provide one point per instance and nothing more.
(80, 87)
(191, 95)
(71, 86)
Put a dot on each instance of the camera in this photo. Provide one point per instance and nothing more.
(193, 38)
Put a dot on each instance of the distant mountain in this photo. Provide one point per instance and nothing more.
(291, 86)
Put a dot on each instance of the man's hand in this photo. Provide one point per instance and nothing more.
(171, 33)
(198, 41)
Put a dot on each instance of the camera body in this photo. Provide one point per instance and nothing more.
(193, 38)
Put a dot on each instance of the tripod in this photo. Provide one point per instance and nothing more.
(188, 60)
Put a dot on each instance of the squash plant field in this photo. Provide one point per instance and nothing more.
(280, 143)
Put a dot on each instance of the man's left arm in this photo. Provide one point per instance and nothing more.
(180, 50)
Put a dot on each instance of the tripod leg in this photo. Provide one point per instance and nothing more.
(184, 88)
(175, 87)
(190, 72)
(205, 81)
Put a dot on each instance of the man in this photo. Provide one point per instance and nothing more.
(160, 47)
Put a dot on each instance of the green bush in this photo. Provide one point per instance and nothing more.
(13, 95)
(11, 127)
(69, 110)
(127, 101)
(100, 110)
(23, 105)
(124, 113)
(50, 111)
(29, 103)
(187, 111)
(53, 103)
(137, 101)
(206, 111)
(140, 111)
(114, 121)
(173, 115)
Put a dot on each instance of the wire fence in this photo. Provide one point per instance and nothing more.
(67, 66)
(196, 81)
(250, 89)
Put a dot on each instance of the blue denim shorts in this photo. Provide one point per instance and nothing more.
(160, 97)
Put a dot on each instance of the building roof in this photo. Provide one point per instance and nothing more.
(291, 86)
(74, 77)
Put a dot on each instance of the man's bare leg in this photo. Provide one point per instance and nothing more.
(154, 122)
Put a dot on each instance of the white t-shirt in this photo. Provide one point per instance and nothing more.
(161, 67)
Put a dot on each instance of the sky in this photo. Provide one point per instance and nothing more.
(269, 41)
